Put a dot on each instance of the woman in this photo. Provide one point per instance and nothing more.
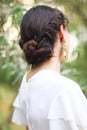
(46, 99)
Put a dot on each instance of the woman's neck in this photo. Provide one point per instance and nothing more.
(51, 64)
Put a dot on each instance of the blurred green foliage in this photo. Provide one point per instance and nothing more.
(6, 98)
(77, 69)
(11, 62)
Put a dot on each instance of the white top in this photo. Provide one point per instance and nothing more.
(50, 101)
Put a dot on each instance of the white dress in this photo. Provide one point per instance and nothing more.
(50, 101)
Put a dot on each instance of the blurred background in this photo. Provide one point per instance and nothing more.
(12, 62)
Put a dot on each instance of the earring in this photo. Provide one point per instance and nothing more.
(63, 55)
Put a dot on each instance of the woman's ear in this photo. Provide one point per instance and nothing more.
(62, 33)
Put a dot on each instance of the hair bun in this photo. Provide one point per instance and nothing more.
(30, 46)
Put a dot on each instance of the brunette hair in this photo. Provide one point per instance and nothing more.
(38, 30)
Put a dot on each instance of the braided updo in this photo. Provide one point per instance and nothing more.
(39, 28)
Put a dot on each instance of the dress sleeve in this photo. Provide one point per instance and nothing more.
(70, 108)
(19, 114)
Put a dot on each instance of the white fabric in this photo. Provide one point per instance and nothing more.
(50, 101)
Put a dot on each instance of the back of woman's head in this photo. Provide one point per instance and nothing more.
(39, 28)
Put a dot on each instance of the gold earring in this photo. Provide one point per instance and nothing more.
(63, 55)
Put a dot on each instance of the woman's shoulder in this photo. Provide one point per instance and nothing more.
(62, 80)
(69, 84)
(68, 81)
(63, 83)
